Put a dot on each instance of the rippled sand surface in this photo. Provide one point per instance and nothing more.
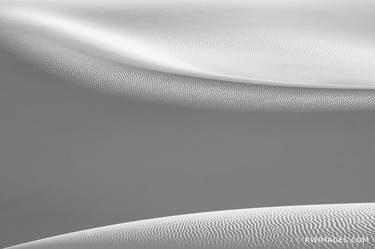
(272, 228)
(251, 55)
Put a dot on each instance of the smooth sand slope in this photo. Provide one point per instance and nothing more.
(251, 55)
(273, 228)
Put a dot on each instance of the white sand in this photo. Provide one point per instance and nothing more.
(274, 227)
(234, 54)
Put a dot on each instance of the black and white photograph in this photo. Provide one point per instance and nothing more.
(187, 124)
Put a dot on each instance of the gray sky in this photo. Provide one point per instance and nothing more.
(72, 158)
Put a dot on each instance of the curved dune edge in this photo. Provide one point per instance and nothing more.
(155, 86)
(270, 227)
(255, 55)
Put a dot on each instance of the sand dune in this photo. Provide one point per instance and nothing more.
(252, 55)
(274, 227)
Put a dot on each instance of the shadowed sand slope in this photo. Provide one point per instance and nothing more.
(249, 55)
(315, 226)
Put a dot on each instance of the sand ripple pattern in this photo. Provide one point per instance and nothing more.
(262, 55)
(272, 228)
